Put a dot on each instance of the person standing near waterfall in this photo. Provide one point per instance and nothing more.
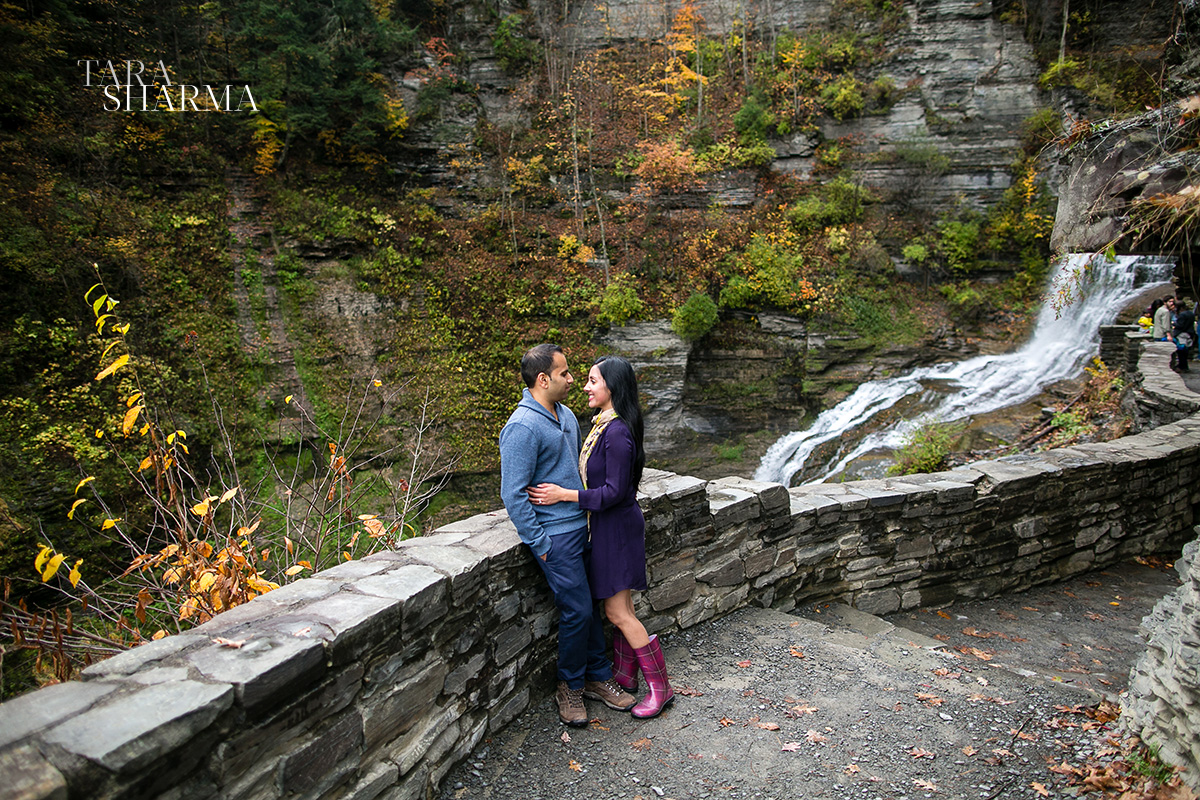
(540, 442)
(610, 465)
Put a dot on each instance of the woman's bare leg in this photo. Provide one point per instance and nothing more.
(619, 610)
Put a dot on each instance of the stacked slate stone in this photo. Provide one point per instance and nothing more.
(1164, 688)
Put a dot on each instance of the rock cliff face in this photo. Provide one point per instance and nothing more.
(965, 83)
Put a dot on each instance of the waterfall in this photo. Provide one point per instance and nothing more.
(1059, 347)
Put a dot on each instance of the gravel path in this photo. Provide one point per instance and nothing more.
(829, 702)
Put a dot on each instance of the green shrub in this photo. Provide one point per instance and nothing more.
(959, 244)
(843, 98)
(754, 119)
(925, 449)
(923, 156)
(838, 202)
(966, 303)
(514, 52)
(695, 317)
(915, 252)
(772, 275)
(619, 302)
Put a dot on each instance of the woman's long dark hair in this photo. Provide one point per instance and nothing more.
(622, 384)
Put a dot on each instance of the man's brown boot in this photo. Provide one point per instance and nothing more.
(609, 693)
(570, 706)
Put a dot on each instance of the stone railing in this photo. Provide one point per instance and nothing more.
(375, 677)
(1165, 683)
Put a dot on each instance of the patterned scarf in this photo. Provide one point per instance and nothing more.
(599, 423)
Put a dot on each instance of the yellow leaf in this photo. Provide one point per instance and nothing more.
(42, 555)
(113, 367)
(181, 434)
(183, 447)
(379, 383)
(99, 433)
(295, 569)
(84, 482)
(228, 494)
(345, 555)
(99, 302)
(133, 398)
(261, 586)
(93, 288)
(202, 508)
(130, 419)
(206, 581)
(122, 329)
(144, 429)
(75, 575)
(287, 399)
(304, 564)
(159, 634)
(289, 545)
(365, 517)
(147, 462)
(100, 322)
(109, 523)
(111, 345)
(75, 505)
(173, 575)
(52, 567)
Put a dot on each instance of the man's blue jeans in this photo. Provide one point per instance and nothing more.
(581, 650)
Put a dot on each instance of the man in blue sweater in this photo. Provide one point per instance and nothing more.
(540, 444)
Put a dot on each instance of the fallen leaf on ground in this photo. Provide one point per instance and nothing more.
(768, 726)
(969, 750)
(1029, 608)
(566, 738)
(1040, 788)
(1029, 737)
(596, 726)
(1067, 769)
(796, 652)
(942, 672)
(982, 681)
(978, 634)
(982, 655)
(920, 752)
(815, 737)
(743, 664)
(790, 747)
(796, 711)
(943, 615)
(929, 699)
(851, 769)
(687, 691)
(1006, 615)
(725, 722)
(642, 744)
(928, 786)
(1000, 751)
(575, 765)
(941, 637)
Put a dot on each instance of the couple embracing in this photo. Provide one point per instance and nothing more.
(574, 503)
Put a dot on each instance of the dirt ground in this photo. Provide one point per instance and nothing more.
(978, 700)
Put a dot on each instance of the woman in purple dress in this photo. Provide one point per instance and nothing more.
(611, 463)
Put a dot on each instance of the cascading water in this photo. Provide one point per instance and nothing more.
(1059, 347)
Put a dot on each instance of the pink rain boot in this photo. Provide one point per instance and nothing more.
(654, 667)
(625, 663)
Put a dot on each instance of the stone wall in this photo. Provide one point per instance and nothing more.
(1164, 691)
(373, 678)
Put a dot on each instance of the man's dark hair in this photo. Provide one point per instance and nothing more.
(538, 359)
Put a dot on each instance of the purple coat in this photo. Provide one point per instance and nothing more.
(618, 530)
